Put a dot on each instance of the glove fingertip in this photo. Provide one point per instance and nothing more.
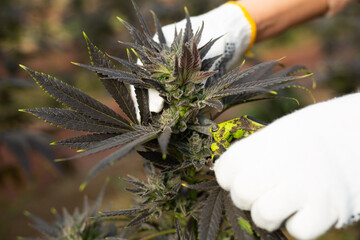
(222, 175)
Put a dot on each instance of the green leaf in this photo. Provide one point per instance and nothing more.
(142, 21)
(267, 82)
(118, 90)
(135, 182)
(95, 209)
(234, 215)
(259, 71)
(159, 31)
(70, 119)
(240, 90)
(131, 66)
(127, 212)
(111, 143)
(110, 73)
(198, 34)
(85, 141)
(77, 100)
(209, 62)
(186, 64)
(215, 103)
(179, 232)
(188, 33)
(216, 85)
(44, 227)
(142, 97)
(206, 48)
(203, 186)
(211, 215)
(117, 155)
(144, 40)
(143, 217)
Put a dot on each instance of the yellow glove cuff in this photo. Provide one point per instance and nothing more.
(251, 21)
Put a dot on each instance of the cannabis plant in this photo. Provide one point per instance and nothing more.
(180, 198)
(79, 225)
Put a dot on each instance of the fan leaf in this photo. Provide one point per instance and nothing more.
(143, 217)
(208, 63)
(117, 155)
(259, 71)
(85, 141)
(70, 119)
(131, 66)
(215, 103)
(111, 143)
(233, 213)
(159, 30)
(43, 227)
(203, 186)
(142, 97)
(211, 215)
(77, 100)
(268, 82)
(117, 89)
(110, 73)
(238, 91)
(206, 48)
(188, 34)
(127, 212)
(141, 19)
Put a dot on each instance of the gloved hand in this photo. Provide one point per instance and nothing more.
(303, 169)
(229, 21)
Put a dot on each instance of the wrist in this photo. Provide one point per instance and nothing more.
(274, 17)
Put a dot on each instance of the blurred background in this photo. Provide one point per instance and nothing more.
(47, 35)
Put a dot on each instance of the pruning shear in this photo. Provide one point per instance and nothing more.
(224, 133)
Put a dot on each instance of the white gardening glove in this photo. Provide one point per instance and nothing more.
(231, 21)
(303, 169)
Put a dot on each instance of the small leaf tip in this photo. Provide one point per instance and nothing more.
(82, 186)
(186, 10)
(120, 19)
(23, 67)
(27, 213)
(80, 150)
